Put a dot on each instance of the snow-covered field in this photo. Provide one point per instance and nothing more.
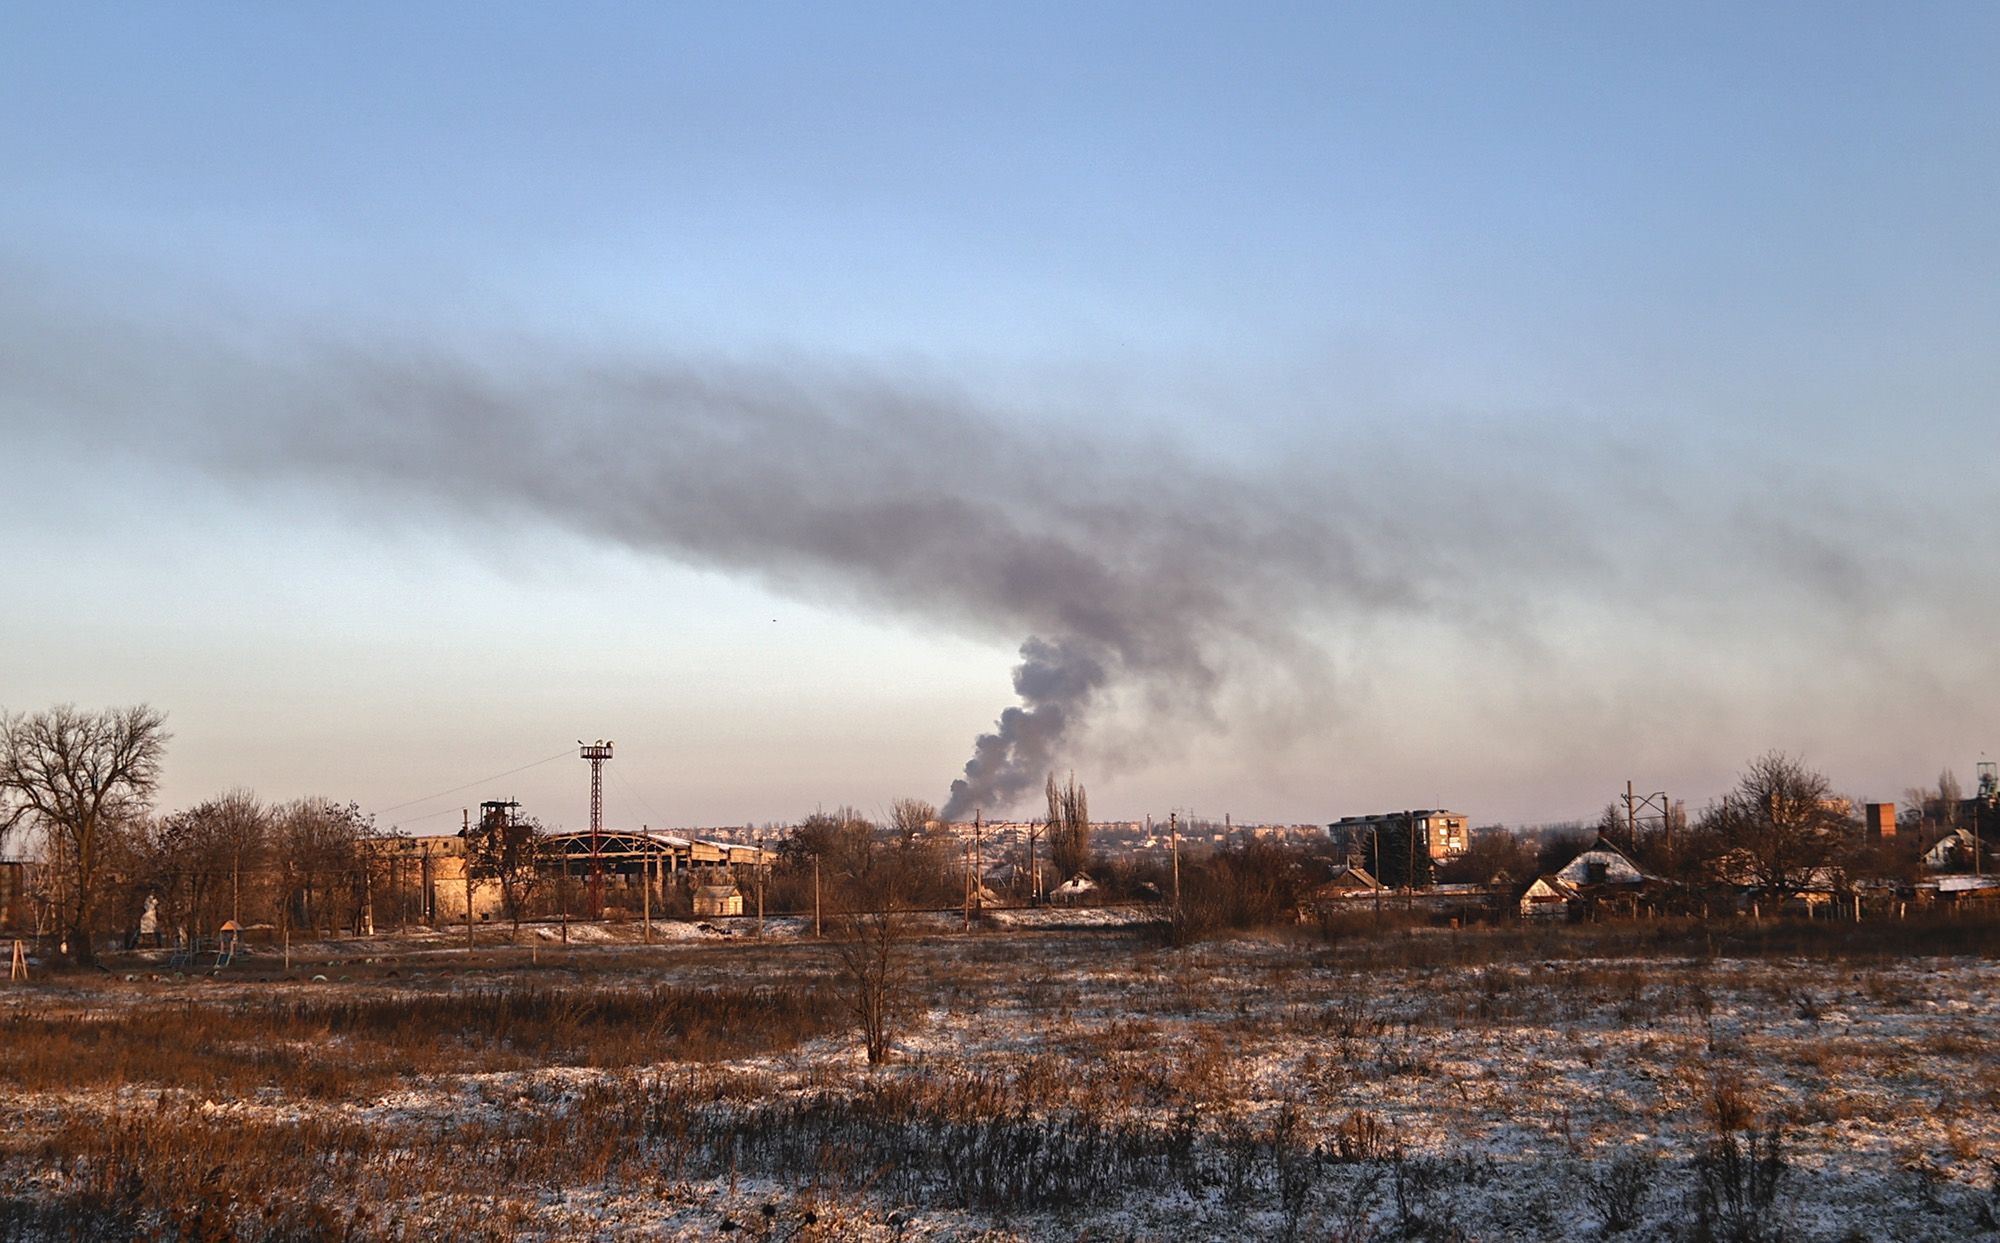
(1046, 1085)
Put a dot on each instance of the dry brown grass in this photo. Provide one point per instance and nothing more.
(338, 1045)
(1268, 1080)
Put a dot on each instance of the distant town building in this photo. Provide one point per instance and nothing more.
(1881, 821)
(1445, 834)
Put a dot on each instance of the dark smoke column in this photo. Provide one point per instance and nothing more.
(1055, 681)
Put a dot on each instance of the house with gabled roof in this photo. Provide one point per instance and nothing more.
(1549, 897)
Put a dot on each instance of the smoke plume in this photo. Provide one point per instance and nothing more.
(1055, 683)
(1139, 572)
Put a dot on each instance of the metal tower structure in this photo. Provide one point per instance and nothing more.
(597, 753)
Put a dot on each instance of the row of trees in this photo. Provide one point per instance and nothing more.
(82, 783)
(79, 787)
(1781, 830)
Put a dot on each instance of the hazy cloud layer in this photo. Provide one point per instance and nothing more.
(1125, 567)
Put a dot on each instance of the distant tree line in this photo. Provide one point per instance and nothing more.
(79, 786)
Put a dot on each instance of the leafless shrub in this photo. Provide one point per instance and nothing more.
(1363, 1136)
(1295, 1165)
(1807, 1006)
(1619, 1191)
(1727, 1103)
(1986, 1203)
(1927, 1177)
(1737, 1185)
(1420, 1191)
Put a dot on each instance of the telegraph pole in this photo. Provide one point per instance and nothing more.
(1410, 877)
(1174, 835)
(597, 753)
(465, 814)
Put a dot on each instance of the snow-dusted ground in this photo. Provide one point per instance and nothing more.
(1059, 1085)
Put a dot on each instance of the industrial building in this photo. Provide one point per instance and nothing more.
(422, 880)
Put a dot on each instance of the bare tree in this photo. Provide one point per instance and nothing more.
(192, 863)
(875, 889)
(1779, 828)
(913, 822)
(1936, 807)
(318, 853)
(1068, 824)
(874, 972)
(77, 776)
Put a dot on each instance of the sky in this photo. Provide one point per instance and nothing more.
(1288, 411)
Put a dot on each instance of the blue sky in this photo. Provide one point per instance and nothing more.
(1682, 318)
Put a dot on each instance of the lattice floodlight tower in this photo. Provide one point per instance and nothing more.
(597, 753)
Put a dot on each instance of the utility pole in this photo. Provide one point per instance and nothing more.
(759, 865)
(978, 861)
(1636, 803)
(1035, 858)
(816, 928)
(465, 814)
(1174, 835)
(646, 886)
(1410, 877)
(597, 753)
(1375, 840)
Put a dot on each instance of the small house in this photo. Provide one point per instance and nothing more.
(1951, 852)
(1602, 864)
(1076, 889)
(711, 901)
(1347, 885)
(1550, 897)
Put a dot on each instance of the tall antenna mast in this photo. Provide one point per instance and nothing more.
(597, 753)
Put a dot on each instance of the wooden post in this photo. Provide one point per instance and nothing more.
(20, 968)
(466, 815)
(646, 884)
(816, 928)
(1174, 834)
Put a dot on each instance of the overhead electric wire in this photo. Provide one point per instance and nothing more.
(383, 811)
(429, 815)
(634, 791)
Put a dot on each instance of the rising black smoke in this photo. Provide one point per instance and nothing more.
(1133, 567)
(1125, 564)
(1055, 682)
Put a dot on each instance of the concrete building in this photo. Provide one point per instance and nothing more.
(421, 880)
(1445, 834)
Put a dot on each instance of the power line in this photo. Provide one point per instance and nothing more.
(634, 792)
(383, 811)
(429, 815)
